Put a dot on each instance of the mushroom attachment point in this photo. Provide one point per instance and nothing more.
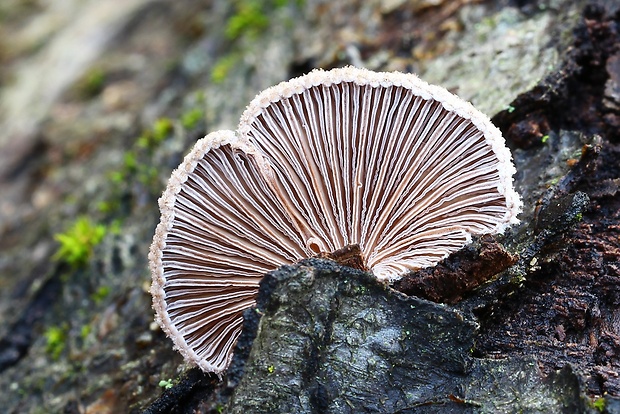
(405, 170)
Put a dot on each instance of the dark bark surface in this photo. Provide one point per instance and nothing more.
(335, 340)
(567, 309)
(462, 272)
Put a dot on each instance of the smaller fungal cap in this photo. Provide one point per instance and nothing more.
(220, 229)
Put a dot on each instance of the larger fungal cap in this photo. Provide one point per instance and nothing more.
(404, 169)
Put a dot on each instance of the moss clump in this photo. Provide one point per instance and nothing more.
(223, 66)
(91, 84)
(166, 384)
(191, 118)
(85, 331)
(138, 175)
(599, 404)
(56, 339)
(151, 138)
(100, 294)
(77, 243)
(249, 19)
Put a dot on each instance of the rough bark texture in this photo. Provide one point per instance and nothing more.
(569, 297)
(98, 134)
(333, 340)
(460, 273)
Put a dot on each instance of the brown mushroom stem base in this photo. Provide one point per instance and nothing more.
(350, 256)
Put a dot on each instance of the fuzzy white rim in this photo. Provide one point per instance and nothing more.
(449, 101)
(166, 205)
(239, 140)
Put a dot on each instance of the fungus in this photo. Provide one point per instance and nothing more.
(403, 169)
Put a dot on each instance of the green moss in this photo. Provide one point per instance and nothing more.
(56, 340)
(85, 331)
(144, 140)
(148, 176)
(489, 22)
(137, 174)
(100, 294)
(223, 66)
(77, 243)
(576, 154)
(116, 177)
(599, 404)
(108, 206)
(167, 384)
(115, 227)
(130, 161)
(161, 129)
(191, 118)
(249, 19)
(91, 84)
(153, 137)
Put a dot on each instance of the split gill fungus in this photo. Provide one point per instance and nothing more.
(406, 170)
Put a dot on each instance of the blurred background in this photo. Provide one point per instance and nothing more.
(101, 99)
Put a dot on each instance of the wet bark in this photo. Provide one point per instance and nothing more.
(334, 340)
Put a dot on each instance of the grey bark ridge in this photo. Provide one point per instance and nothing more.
(334, 340)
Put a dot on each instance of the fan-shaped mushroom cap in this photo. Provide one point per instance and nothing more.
(404, 169)
(221, 228)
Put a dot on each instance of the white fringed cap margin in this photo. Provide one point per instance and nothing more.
(405, 169)
(167, 208)
(448, 100)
